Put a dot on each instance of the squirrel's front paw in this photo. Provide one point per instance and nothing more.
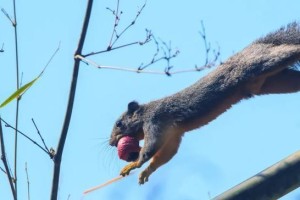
(126, 170)
(144, 176)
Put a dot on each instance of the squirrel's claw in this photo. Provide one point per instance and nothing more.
(126, 170)
(144, 176)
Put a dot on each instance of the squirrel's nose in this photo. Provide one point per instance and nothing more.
(112, 142)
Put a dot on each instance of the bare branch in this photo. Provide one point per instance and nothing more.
(117, 19)
(2, 48)
(206, 45)
(130, 25)
(28, 183)
(146, 40)
(13, 22)
(3, 170)
(129, 69)
(272, 183)
(27, 137)
(3, 157)
(168, 54)
(65, 128)
(115, 36)
(38, 131)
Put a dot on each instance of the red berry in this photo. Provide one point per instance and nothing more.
(128, 148)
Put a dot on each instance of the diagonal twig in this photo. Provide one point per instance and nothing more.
(23, 134)
(39, 133)
(3, 170)
(8, 17)
(146, 40)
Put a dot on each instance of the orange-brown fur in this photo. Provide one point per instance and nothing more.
(264, 67)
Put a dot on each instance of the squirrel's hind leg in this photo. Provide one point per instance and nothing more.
(286, 81)
(164, 154)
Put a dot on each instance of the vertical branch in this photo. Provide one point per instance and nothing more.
(3, 157)
(28, 183)
(18, 99)
(64, 132)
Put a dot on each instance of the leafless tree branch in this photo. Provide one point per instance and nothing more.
(2, 48)
(146, 40)
(13, 22)
(64, 132)
(28, 183)
(115, 36)
(3, 170)
(27, 137)
(167, 55)
(38, 131)
(3, 158)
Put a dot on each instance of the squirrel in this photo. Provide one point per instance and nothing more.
(267, 66)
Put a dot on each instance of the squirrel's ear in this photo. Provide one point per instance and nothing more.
(133, 106)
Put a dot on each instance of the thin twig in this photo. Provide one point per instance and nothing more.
(208, 50)
(65, 128)
(146, 40)
(117, 19)
(3, 157)
(50, 59)
(141, 71)
(28, 183)
(3, 170)
(2, 48)
(23, 134)
(118, 36)
(8, 17)
(38, 131)
(168, 55)
(206, 45)
(115, 36)
(18, 99)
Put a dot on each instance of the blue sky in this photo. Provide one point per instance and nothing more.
(251, 136)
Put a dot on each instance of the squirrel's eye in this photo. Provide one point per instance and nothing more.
(119, 124)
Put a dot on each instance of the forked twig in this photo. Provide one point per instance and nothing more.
(41, 137)
(167, 56)
(27, 137)
(115, 36)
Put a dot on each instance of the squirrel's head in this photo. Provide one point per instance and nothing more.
(129, 124)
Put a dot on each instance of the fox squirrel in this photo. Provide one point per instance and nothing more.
(267, 66)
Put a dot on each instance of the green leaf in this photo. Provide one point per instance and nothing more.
(19, 92)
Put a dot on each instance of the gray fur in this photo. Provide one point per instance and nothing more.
(264, 67)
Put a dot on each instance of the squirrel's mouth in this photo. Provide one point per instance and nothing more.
(116, 138)
(128, 148)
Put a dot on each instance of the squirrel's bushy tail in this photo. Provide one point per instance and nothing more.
(289, 34)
